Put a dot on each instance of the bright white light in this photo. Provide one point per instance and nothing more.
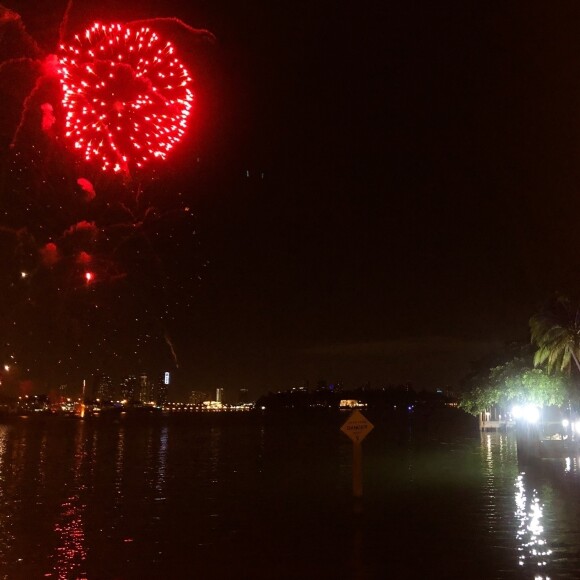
(577, 426)
(565, 423)
(529, 413)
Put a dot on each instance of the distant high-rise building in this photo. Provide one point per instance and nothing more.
(130, 388)
(243, 396)
(219, 393)
(197, 397)
(102, 387)
(144, 389)
(63, 391)
(161, 389)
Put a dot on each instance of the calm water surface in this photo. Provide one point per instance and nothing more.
(239, 496)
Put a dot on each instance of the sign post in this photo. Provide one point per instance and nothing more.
(357, 427)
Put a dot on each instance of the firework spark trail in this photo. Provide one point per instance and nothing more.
(206, 34)
(139, 229)
(138, 193)
(12, 231)
(129, 211)
(136, 227)
(64, 22)
(135, 224)
(8, 17)
(19, 60)
(25, 108)
(49, 66)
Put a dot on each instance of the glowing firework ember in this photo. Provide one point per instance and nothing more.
(127, 97)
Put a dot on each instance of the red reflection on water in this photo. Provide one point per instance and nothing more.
(70, 552)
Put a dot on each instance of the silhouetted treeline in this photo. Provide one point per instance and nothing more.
(387, 398)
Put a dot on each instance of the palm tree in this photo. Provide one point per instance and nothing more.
(555, 331)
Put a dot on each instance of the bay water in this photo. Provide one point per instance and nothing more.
(246, 495)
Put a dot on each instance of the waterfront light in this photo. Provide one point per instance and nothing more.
(529, 413)
(517, 412)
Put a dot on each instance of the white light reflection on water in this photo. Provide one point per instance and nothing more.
(499, 455)
(571, 466)
(214, 473)
(532, 545)
(155, 491)
(161, 463)
(119, 462)
(490, 487)
(157, 445)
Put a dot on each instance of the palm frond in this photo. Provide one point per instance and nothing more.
(555, 331)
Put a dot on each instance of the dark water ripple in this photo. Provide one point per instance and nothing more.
(246, 497)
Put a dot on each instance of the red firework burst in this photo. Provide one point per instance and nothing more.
(126, 96)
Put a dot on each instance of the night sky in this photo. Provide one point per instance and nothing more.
(379, 193)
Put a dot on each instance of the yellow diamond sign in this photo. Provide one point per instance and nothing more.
(357, 427)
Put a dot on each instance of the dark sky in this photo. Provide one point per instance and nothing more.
(382, 192)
